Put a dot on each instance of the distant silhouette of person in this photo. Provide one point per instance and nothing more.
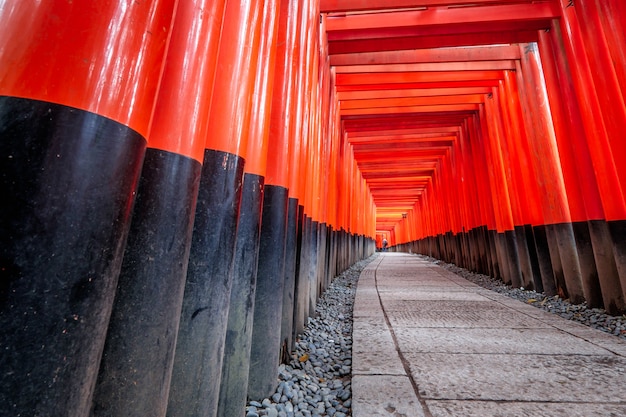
(384, 245)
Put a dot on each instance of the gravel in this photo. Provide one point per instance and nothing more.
(317, 381)
(596, 318)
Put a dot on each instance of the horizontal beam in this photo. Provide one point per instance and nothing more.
(482, 53)
(411, 101)
(429, 67)
(418, 85)
(384, 140)
(412, 109)
(336, 6)
(445, 16)
(410, 92)
(367, 133)
(434, 41)
(415, 77)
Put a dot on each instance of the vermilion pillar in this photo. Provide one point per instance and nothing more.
(579, 177)
(285, 96)
(553, 194)
(199, 348)
(612, 15)
(78, 83)
(239, 335)
(498, 189)
(603, 126)
(592, 232)
(525, 213)
(299, 171)
(508, 201)
(487, 213)
(268, 305)
(135, 372)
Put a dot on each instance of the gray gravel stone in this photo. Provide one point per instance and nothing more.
(317, 381)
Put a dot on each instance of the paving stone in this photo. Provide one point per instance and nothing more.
(441, 305)
(523, 409)
(380, 395)
(499, 341)
(496, 377)
(413, 294)
(464, 319)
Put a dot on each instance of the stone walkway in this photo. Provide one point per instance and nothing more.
(426, 342)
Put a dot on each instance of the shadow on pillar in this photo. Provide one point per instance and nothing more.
(199, 349)
(68, 178)
(135, 371)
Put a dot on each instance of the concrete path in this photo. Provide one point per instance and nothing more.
(430, 343)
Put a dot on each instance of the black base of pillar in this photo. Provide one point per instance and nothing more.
(602, 243)
(524, 258)
(300, 293)
(555, 258)
(617, 229)
(68, 179)
(291, 243)
(544, 259)
(512, 252)
(590, 278)
(265, 351)
(237, 345)
(200, 346)
(135, 371)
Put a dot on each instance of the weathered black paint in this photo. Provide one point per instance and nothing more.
(617, 228)
(524, 258)
(299, 287)
(512, 253)
(570, 263)
(196, 375)
(234, 382)
(503, 260)
(312, 270)
(266, 330)
(495, 261)
(589, 272)
(534, 258)
(291, 243)
(545, 260)
(68, 179)
(135, 371)
(612, 290)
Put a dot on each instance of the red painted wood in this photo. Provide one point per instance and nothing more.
(433, 41)
(596, 132)
(446, 16)
(111, 56)
(487, 53)
(231, 103)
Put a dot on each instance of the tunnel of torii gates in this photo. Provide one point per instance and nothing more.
(183, 179)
